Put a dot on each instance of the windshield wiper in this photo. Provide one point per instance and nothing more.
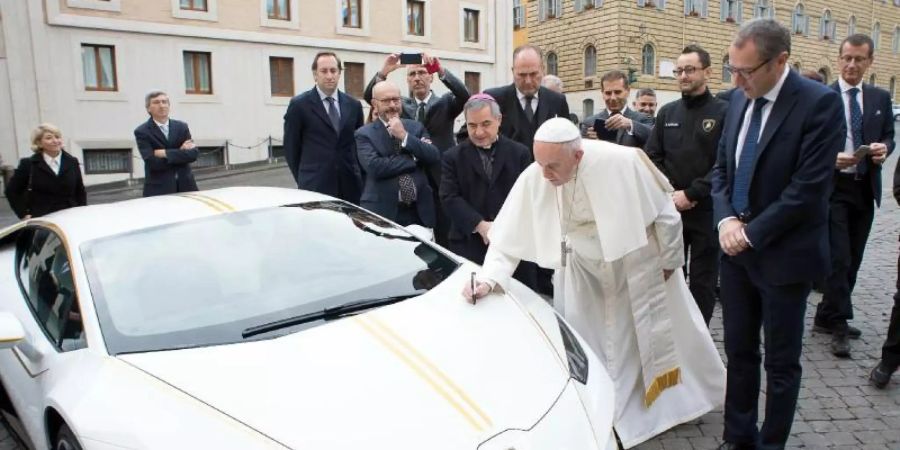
(334, 312)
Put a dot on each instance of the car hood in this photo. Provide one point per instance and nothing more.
(431, 370)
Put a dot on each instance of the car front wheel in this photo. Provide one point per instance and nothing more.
(65, 439)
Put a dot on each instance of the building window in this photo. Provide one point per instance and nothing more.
(851, 26)
(193, 5)
(797, 66)
(823, 72)
(659, 4)
(281, 76)
(587, 107)
(518, 14)
(104, 161)
(352, 12)
(473, 82)
(471, 24)
(279, 9)
(872, 79)
(599, 3)
(826, 26)
(552, 64)
(415, 17)
(896, 44)
(799, 21)
(209, 157)
(763, 10)
(197, 73)
(590, 61)
(731, 11)
(549, 9)
(696, 8)
(648, 57)
(354, 79)
(99, 66)
(876, 36)
(726, 74)
(891, 87)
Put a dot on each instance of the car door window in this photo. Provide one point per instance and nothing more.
(45, 276)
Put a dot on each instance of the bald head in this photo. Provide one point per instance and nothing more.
(527, 69)
(386, 100)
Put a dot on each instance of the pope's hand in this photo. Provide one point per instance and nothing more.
(481, 289)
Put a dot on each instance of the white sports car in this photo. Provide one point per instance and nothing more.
(248, 318)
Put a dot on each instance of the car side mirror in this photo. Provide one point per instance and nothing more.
(11, 331)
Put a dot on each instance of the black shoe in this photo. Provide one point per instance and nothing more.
(880, 375)
(733, 446)
(852, 332)
(840, 345)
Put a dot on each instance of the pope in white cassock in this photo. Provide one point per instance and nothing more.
(602, 216)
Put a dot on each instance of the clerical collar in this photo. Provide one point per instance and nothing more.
(693, 101)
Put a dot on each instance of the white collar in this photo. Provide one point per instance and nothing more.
(522, 96)
(49, 159)
(772, 95)
(323, 96)
(166, 123)
(845, 86)
(425, 101)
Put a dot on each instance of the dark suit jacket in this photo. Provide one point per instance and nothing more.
(515, 126)
(469, 196)
(440, 112)
(49, 192)
(642, 124)
(792, 178)
(320, 158)
(384, 165)
(170, 174)
(878, 126)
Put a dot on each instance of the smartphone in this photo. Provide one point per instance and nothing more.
(410, 58)
(603, 133)
(862, 151)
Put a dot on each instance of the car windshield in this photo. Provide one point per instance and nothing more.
(203, 282)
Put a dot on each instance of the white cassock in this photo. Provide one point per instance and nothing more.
(622, 229)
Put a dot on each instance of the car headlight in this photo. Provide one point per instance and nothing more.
(578, 361)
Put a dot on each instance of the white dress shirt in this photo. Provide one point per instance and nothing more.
(845, 97)
(534, 100)
(771, 96)
(53, 161)
(163, 127)
(334, 95)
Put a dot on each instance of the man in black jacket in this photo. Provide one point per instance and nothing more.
(683, 145)
(890, 352)
(477, 176)
(167, 149)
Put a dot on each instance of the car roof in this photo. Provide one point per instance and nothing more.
(86, 223)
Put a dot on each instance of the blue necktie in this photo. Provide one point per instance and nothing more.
(856, 128)
(741, 189)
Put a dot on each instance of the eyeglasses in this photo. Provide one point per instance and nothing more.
(745, 73)
(847, 59)
(389, 100)
(417, 73)
(689, 70)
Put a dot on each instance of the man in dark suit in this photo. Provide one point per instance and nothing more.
(774, 166)
(478, 175)
(437, 113)
(395, 153)
(318, 134)
(890, 351)
(631, 128)
(526, 104)
(857, 187)
(166, 148)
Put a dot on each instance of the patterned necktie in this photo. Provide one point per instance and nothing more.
(856, 123)
(165, 130)
(333, 114)
(407, 185)
(741, 189)
(529, 111)
(420, 113)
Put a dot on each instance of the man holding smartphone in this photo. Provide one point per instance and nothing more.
(436, 113)
(857, 187)
(618, 123)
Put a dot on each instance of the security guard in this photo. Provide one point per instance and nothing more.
(683, 146)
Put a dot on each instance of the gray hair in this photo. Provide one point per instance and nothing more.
(771, 38)
(552, 82)
(476, 104)
(572, 146)
(151, 95)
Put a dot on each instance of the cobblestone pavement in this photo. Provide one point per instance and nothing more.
(837, 407)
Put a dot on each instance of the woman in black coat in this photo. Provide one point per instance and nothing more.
(49, 180)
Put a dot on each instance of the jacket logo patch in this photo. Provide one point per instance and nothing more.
(671, 125)
(708, 125)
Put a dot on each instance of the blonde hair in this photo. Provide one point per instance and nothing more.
(38, 133)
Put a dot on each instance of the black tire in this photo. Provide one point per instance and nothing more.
(897, 118)
(65, 439)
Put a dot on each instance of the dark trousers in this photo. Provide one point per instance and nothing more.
(890, 353)
(852, 209)
(748, 302)
(407, 214)
(701, 250)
